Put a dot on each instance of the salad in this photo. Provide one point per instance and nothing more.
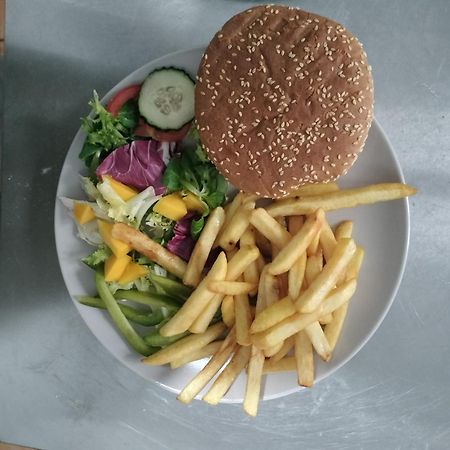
(145, 167)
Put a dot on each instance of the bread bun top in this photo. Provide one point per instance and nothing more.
(283, 98)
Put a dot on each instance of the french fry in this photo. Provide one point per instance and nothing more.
(290, 253)
(204, 352)
(237, 225)
(251, 272)
(243, 319)
(297, 271)
(314, 245)
(271, 351)
(347, 198)
(284, 329)
(318, 340)
(230, 338)
(149, 248)
(274, 314)
(296, 275)
(224, 381)
(355, 264)
(344, 230)
(313, 189)
(235, 267)
(248, 237)
(197, 301)
(230, 211)
(287, 346)
(327, 240)
(201, 323)
(230, 287)
(304, 359)
(185, 346)
(326, 319)
(334, 328)
(261, 298)
(271, 289)
(286, 364)
(314, 265)
(298, 321)
(203, 247)
(251, 275)
(326, 280)
(205, 375)
(227, 310)
(253, 386)
(269, 227)
(240, 261)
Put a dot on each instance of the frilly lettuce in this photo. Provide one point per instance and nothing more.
(131, 211)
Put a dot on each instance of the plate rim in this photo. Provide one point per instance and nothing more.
(373, 329)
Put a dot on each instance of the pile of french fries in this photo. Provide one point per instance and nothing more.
(282, 281)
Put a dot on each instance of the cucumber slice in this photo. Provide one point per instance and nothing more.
(166, 100)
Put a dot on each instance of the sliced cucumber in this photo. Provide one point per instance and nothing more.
(166, 99)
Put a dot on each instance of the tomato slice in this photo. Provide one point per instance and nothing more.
(122, 97)
(145, 130)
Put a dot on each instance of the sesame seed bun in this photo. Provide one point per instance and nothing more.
(283, 98)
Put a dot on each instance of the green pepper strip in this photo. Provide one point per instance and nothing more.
(119, 318)
(132, 314)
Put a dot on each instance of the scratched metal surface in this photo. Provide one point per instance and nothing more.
(59, 389)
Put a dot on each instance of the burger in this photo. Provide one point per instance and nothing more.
(283, 98)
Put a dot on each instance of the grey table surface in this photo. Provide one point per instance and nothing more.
(60, 389)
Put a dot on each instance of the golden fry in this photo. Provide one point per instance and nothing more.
(314, 265)
(326, 280)
(230, 211)
(227, 310)
(230, 287)
(185, 346)
(227, 376)
(240, 261)
(298, 321)
(269, 227)
(296, 275)
(290, 253)
(327, 240)
(204, 352)
(313, 189)
(287, 346)
(344, 230)
(235, 228)
(304, 359)
(197, 301)
(347, 198)
(152, 250)
(274, 314)
(285, 364)
(203, 247)
(326, 319)
(253, 386)
(318, 340)
(355, 264)
(271, 351)
(201, 323)
(243, 319)
(205, 375)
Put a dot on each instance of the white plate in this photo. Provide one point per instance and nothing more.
(382, 229)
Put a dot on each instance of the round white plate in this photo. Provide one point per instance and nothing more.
(382, 229)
